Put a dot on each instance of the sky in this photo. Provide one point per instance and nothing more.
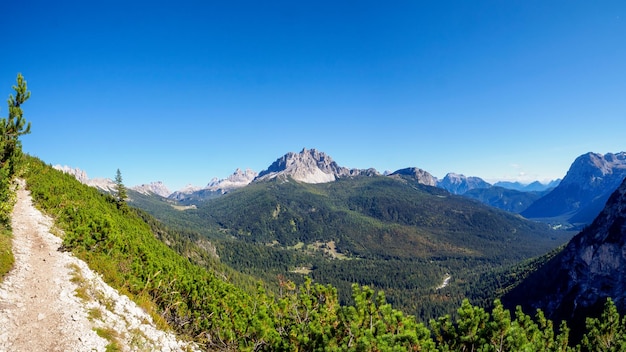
(184, 91)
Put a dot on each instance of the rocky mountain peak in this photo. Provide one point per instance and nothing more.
(104, 184)
(157, 188)
(310, 166)
(595, 170)
(459, 184)
(584, 190)
(422, 177)
(237, 180)
(79, 174)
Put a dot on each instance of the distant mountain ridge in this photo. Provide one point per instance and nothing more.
(157, 188)
(307, 166)
(215, 187)
(503, 198)
(459, 184)
(584, 190)
(535, 186)
(104, 184)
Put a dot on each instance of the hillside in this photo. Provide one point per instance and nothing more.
(506, 199)
(576, 283)
(391, 233)
(65, 308)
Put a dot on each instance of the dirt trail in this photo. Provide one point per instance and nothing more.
(39, 308)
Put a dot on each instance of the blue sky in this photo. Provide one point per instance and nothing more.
(183, 91)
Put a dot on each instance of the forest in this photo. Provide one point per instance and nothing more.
(387, 233)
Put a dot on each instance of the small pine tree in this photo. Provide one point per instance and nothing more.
(119, 187)
(11, 128)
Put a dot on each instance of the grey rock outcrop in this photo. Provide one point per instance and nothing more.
(104, 184)
(237, 180)
(459, 184)
(310, 166)
(422, 177)
(215, 187)
(157, 188)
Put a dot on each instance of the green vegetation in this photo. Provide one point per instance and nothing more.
(11, 128)
(120, 189)
(6, 254)
(399, 236)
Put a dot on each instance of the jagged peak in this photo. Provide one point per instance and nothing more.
(156, 187)
(104, 184)
(310, 166)
(237, 179)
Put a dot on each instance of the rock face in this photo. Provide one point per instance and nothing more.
(103, 184)
(157, 188)
(310, 166)
(591, 268)
(459, 184)
(584, 190)
(237, 180)
(422, 177)
(215, 188)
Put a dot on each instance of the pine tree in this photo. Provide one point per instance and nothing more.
(119, 187)
(11, 128)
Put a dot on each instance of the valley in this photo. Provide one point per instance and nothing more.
(392, 233)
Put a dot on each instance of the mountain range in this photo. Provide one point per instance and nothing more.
(572, 202)
(312, 166)
(398, 232)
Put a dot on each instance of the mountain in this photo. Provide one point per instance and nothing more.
(310, 166)
(157, 188)
(535, 186)
(591, 268)
(421, 176)
(215, 188)
(237, 180)
(388, 232)
(503, 198)
(104, 184)
(459, 184)
(584, 190)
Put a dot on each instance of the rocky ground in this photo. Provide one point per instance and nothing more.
(52, 301)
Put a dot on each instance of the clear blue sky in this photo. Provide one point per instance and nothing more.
(184, 91)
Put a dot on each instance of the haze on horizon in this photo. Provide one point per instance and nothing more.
(185, 92)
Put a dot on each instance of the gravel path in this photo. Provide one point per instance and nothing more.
(40, 309)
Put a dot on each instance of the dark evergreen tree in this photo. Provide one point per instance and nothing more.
(120, 188)
(11, 128)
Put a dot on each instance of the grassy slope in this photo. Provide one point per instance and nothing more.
(116, 242)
